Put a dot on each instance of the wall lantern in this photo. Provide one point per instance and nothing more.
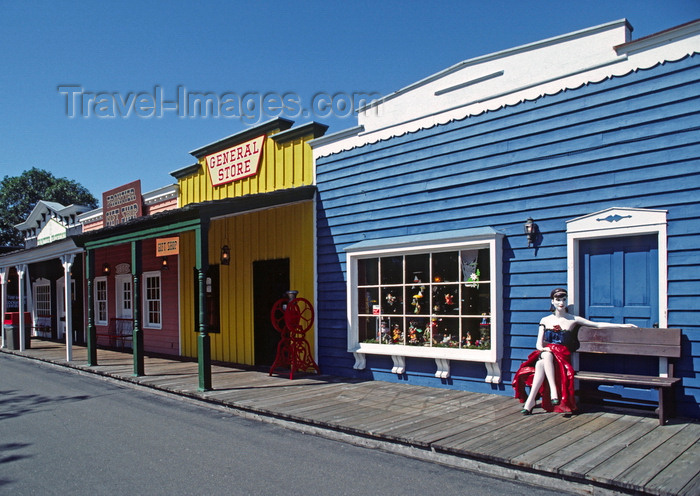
(530, 231)
(164, 264)
(225, 255)
(105, 269)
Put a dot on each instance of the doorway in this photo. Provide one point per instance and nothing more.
(60, 308)
(124, 290)
(270, 283)
(619, 283)
(620, 280)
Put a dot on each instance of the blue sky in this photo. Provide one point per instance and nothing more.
(106, 65)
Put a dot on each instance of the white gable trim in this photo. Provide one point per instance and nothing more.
(618, 222)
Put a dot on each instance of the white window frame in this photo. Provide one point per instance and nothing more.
(147, 323)
(97, 281)
(467, 239)
(618, 222)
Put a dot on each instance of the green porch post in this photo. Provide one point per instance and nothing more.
(137, 340)
(203, 339)
(91, 331)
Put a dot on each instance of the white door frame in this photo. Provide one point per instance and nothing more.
(618, 222)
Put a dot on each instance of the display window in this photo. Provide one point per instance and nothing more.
(435, 299)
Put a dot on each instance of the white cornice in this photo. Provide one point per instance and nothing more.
(511, 77)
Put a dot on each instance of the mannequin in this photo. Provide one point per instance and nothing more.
(548, 370)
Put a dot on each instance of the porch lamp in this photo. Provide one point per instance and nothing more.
(164, 264)
(105, 269)
(530, 231)
(225, 255)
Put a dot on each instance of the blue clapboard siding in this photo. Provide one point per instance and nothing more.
(631, 141)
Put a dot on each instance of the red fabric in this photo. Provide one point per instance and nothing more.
(564, 373)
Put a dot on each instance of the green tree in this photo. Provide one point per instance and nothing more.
(19, 195)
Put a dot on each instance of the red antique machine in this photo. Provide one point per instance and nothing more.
(292, 317)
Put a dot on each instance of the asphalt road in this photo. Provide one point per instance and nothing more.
(67, 433)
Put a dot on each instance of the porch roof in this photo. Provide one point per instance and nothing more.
(190, 217)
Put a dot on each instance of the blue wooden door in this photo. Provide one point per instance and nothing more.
(620, 284)
(620, 280)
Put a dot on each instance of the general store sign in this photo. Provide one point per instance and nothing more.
(122, 204)
(235, 163)
(167, 246)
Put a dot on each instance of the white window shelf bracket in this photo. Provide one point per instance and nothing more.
(360, 361)
(443, 368)
(493, 373)
(399, 364)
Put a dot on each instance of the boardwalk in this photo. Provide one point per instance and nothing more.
(591, 452)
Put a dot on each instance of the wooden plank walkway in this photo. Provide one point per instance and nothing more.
(603, 449)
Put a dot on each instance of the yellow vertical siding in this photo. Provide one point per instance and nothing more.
(282, 232)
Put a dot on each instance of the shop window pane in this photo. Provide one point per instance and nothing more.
(476, 301)
(392, 270)
(477, 333)
(368, 329)
(446, 267)
(368, 271)
(418, 300)
(392, 301)
(419, 332)
(417, 268)
(446, 333)
(390, 330)
(396, 332)
(368, 301)
(445, 299)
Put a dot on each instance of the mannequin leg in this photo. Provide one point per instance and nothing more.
(537, 380)
(548, 364)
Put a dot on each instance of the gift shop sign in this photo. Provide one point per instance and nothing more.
(235, 163)
(167, 246)
(122, 204)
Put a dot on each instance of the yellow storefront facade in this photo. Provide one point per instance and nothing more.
(257, 189)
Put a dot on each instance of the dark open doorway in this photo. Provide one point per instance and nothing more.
(270, 283)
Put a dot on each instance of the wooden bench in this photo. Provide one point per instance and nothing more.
(119, 332)
(43, 326)
(661, 343)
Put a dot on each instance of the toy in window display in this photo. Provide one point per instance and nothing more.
(390, 306)
(430, 331)
(449, 299)
(413, 334)
(418, 301)
(384, 333)
(396, 334)
(556, 339)
(470, 270)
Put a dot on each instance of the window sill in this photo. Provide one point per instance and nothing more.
(442, 357)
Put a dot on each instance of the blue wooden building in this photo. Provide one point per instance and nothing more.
(591, 140)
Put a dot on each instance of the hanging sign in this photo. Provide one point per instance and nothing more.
(122, 204)
(167, 246)
(235, 163)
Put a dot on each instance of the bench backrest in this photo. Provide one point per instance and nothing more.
(630, 341)
(121, 327)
